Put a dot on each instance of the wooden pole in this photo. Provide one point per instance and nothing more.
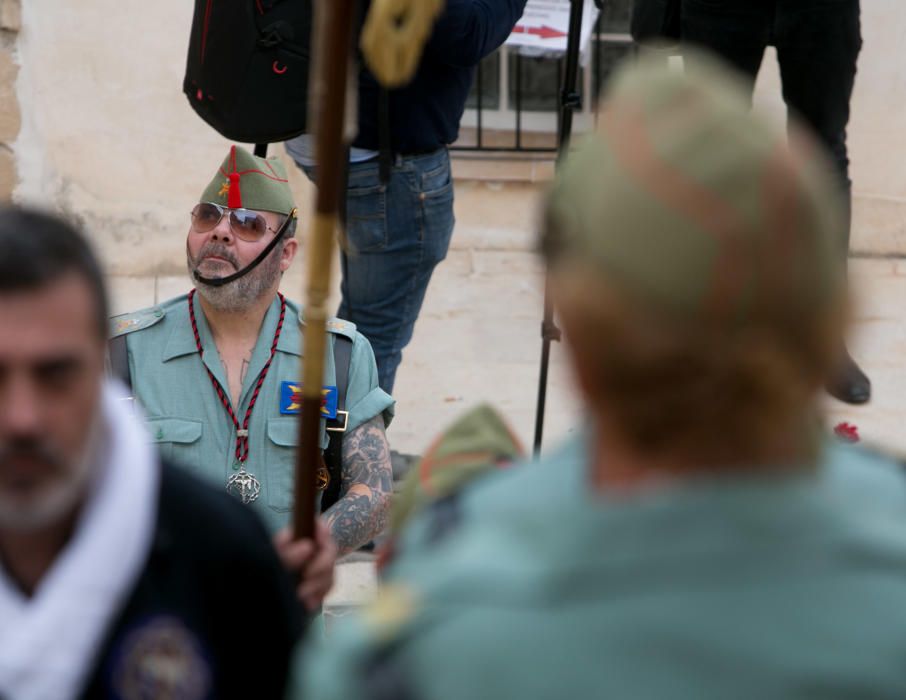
(392, 42)
(329, 105)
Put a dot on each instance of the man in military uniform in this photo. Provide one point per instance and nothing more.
(699, 538)
(217, 371)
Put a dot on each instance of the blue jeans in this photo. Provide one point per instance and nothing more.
(397, 233)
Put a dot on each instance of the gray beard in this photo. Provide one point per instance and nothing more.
(240, 294)
(63, 495)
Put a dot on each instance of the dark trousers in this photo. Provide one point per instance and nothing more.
(817, 44)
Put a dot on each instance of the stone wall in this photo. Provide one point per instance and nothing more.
(10, 118)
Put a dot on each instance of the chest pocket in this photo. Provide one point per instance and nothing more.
(177, 439)
(282, 440)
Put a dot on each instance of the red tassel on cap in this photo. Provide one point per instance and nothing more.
(846, 432)
(234, 198)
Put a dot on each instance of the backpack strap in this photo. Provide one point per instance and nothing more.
(119, 360)
(336, 427)
(120, 327)
(385, 147)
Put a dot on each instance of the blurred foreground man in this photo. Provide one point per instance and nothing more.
(118, 578)
(699, 538)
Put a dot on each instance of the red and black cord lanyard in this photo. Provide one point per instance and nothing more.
(242, 433)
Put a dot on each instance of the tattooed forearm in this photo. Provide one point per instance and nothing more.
(361, 512)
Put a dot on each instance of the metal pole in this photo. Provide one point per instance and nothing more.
(480, 101)
(570, 100)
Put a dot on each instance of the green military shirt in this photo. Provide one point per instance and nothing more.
(740, 587)
(190, 424)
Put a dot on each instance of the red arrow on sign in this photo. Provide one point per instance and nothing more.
(543, 31)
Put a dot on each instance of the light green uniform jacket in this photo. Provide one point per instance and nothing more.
(190, 424)
(535, 586)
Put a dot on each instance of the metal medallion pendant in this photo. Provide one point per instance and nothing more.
(244, 485)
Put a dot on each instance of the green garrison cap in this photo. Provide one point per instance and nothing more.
(476, 443)
(686, 200)
(245, 181)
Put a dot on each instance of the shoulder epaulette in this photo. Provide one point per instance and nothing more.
(391, 611)
(340, 327)
(335, 325)
(135, 321)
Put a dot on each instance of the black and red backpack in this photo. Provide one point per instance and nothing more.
(248, 67)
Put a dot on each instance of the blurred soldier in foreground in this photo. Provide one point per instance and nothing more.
(118, 578)
(698, 539)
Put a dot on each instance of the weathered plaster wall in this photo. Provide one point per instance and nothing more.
(108, 137)
(10, 23)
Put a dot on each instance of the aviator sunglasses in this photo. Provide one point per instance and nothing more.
(247, 225)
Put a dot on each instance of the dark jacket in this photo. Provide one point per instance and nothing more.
(214, 613)
(425, 114)
(655, 20)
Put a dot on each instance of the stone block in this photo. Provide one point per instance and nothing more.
(496, 215)
(130, 293)
(355, 583)
(878, 225)
(169, 287)
(9, 177)
(502, 169)
(10, 118)
(10, 15)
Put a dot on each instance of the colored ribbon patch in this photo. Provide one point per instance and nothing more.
(291, 399)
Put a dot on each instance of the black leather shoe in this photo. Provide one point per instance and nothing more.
(850, 384)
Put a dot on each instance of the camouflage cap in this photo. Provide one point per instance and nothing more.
(245, 181)
(478, 442)
(688, 201)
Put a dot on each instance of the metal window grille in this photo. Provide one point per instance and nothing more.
(514, 103)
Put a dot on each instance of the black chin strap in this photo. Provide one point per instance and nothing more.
(220, 281)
